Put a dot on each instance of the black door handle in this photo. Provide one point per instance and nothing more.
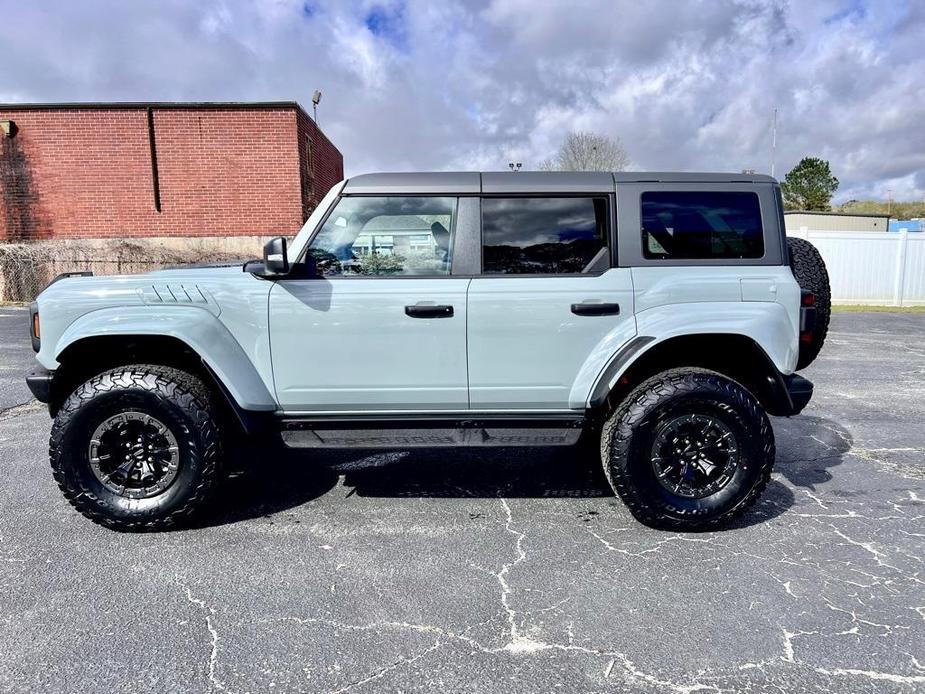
(589, 308)
(429, 311)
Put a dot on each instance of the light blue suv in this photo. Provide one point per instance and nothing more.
(661, 314)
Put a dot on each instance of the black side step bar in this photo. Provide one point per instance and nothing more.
(376, 431)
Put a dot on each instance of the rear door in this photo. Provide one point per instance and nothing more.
(383, 325)
(548, 308)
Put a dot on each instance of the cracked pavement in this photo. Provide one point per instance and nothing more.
(487, 570)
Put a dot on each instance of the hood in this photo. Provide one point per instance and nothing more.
(201, 270)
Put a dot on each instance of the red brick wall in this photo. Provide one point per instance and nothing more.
(86, 173)
(322, 163)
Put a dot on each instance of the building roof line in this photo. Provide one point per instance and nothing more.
(839, 214)
(120, 105)
(163, 106)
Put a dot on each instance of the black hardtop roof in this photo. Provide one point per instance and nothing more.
(529, 181)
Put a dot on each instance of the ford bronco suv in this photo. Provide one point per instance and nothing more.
(662, 315)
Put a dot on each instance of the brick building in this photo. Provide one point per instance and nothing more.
(94, 171)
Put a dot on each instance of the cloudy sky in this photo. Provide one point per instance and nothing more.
(473, 84)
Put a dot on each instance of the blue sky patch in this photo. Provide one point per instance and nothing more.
(854, 10)
(388, 24)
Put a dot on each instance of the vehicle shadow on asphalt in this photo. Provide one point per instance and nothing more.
(266, 484)
(808, 448)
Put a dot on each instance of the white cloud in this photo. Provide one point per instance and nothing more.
(420, 84)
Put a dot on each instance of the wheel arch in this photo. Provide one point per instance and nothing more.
(84, 357)
(734, 355)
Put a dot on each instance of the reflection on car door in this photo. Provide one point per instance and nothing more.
(381, 326)
(547, 303)
(369, 344)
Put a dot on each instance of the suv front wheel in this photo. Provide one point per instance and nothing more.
(137, 447)
(688, 449)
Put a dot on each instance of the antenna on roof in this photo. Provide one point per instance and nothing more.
(316, 99)
(773, 142)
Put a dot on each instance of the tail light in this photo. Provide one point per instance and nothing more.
(807, 315)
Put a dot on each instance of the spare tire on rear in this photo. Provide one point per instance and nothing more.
(809, 270)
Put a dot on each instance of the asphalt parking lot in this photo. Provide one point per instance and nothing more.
(489, 571)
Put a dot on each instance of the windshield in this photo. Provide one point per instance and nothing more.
(301, 238)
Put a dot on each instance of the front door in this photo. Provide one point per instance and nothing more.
(382, 327)
(548, 310)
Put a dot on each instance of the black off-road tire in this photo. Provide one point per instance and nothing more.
(808, 268)
(628, 437)
(179, 400)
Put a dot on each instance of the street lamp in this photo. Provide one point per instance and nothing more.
(316, 99)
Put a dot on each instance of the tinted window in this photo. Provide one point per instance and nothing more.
(543, 235)
(701, 225)
(386, 236)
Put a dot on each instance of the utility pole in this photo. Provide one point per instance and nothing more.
(773, 142)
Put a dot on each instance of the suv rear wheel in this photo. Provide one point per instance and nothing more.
(137, 447)
(688, 449)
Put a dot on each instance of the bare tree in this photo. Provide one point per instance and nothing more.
(583, 151)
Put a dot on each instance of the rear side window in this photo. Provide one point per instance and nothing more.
(548, 235)
(701, 225)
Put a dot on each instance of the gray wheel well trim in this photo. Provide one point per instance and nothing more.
(774, 395)
(256, 398)
(608, 378)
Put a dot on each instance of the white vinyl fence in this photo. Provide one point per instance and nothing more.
(878, 268)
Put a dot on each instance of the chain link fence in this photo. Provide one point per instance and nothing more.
(26, 269)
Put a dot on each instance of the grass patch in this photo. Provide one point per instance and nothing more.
(858, 308)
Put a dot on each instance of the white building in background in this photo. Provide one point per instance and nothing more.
(835, 221)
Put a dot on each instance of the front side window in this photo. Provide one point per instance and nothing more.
(701, 225)
(372, 236)
(544, 235)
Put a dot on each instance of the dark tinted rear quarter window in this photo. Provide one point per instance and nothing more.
(701, 225)
(547, 235)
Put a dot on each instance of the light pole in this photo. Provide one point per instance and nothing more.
(773, 141)
(316, 99)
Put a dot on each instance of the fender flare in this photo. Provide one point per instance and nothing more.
(198, 329)
(765, 324)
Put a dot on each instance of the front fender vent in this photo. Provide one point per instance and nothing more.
(179, 294)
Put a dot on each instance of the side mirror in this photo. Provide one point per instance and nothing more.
(275, 258)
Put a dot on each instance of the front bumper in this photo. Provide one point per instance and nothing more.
(39, 383)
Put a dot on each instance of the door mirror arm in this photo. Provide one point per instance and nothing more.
(276, 265)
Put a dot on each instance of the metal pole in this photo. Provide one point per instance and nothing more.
(773, 142)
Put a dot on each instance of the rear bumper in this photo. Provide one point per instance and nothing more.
(799, 391)
(39, 383)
